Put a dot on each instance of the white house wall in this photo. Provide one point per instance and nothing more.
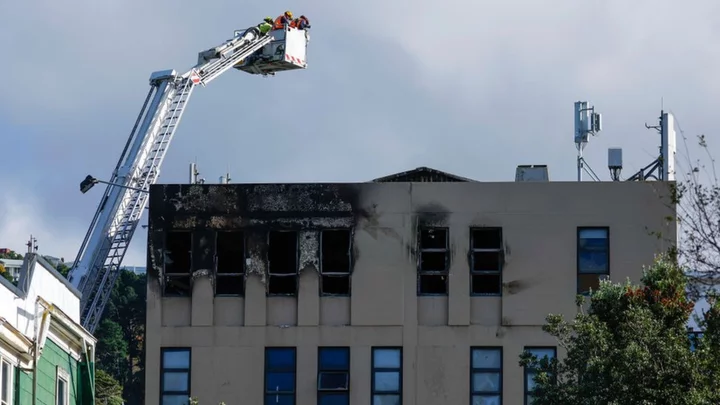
(21, 312)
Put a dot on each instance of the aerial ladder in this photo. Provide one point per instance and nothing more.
(97, 266)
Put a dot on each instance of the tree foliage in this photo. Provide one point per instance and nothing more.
(107, 390)
(5, 274)
(124, 320)
(632, 347)
(12, 255)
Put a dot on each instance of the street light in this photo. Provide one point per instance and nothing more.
(90, 181)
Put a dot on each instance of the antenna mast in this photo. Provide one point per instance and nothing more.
(662, 168)
(587, 122)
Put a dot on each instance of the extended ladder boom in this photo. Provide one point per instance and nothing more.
(97, 265)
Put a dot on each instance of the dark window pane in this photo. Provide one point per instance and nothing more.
(333, 380)
(281, 358)
(334, 398)
(280, 399)
(280, 382)
(334, 358)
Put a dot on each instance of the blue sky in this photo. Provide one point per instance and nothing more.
(473, 88)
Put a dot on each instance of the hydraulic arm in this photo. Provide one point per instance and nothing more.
(97, 265)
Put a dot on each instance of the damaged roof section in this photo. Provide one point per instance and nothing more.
(273, 231)
(422, 175)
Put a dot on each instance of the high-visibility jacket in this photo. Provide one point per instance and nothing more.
(264, 27)
(280, 22)
(294, 23)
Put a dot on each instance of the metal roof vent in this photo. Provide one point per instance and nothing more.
(532, 173)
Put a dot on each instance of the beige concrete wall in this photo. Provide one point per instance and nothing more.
(539, 221)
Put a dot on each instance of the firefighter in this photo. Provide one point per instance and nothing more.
(266, 25)
(283, 20)
(302, 23)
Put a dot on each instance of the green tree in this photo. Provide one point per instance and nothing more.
(632, 347)
(5, 274)
(107, 390)
(126, 308)
(112, 350)
(12, 255)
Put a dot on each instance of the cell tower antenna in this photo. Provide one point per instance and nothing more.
(662, 168)
(587, 122)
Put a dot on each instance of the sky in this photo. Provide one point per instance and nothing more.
(472, 88)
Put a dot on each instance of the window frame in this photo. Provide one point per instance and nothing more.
(579, 249)
(164, 370)
(269, 369)
(10, 381)
(474, 370)
(440, 273)
(327, 392)
(374, 369)
(242, 274)
(61, 375)
(187, 275)
(501, 260)
(323, 274)
(528, 370)
(295, 275)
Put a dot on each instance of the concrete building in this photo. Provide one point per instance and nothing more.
(46, 357)
(417, 288)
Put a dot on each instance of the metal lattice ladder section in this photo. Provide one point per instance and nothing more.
(106, 261)
(134, 201)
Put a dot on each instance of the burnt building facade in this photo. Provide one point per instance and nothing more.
(417, 288)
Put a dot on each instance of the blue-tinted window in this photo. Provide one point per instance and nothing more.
(540, 353)
(175, 377)
(333, 376)
(386, 376)
(593, 257)
(280, 373)
(486, 375)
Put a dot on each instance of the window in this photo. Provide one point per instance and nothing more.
(335, 262)
(178, 263)
(280, 369)
(175, 378)
(434, 262)
(486, 259)
(6, 382)
(282, 263)
(386, 376)
(486, 376)
(333, 376)
(540, 353)
(593, 258)
(62, 384)
(230, 263)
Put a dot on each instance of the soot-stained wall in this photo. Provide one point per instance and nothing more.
(254, 208)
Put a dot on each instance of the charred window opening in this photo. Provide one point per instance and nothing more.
(178, 263)
(486, 261)
(434, 261)
(282, 263)
(230, 263)
(335, 262)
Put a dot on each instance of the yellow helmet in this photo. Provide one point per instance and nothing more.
(288, 14)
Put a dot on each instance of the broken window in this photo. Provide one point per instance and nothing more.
(434, 261)
(486, 260)
(177, 263)
(230, 263)
(282, 263)
(335, 262)
(593, 258)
